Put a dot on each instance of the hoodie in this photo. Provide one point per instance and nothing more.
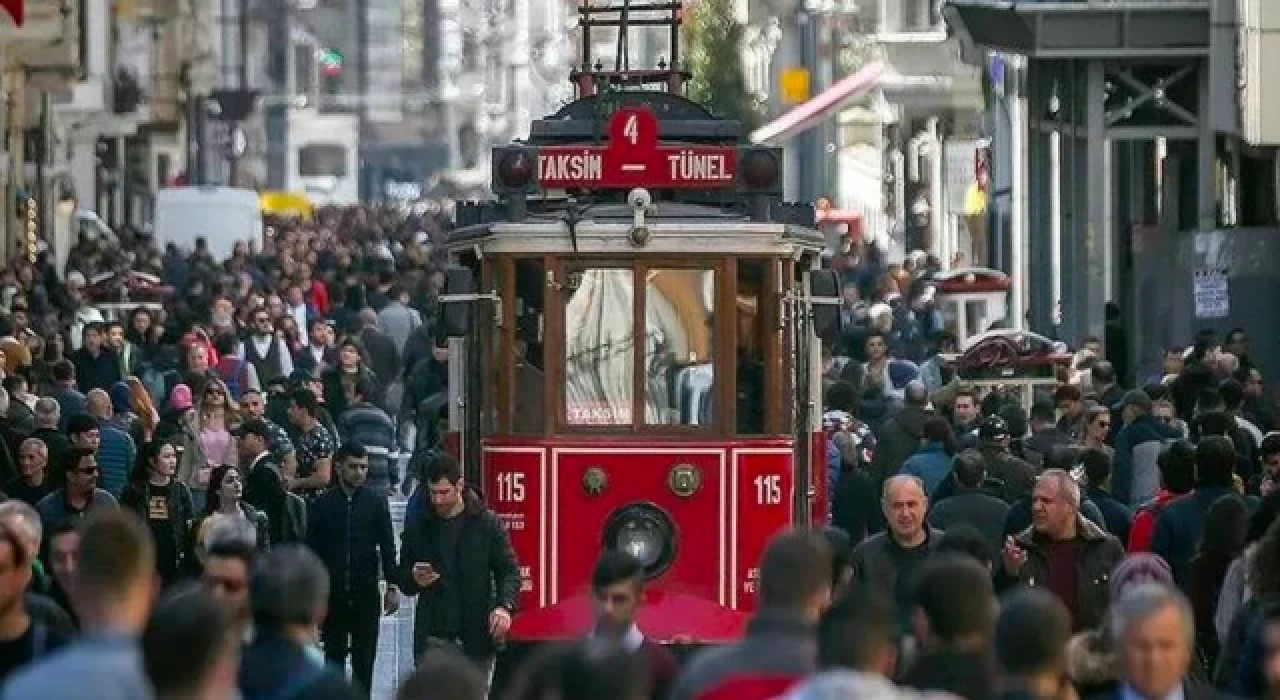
(1135, 477)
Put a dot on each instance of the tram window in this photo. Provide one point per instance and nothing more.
(599, 346)
(753, 337)
(530, 378)
(678, 342)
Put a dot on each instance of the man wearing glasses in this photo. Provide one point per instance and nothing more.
(80, 495)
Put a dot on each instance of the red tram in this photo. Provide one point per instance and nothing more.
(635, 322)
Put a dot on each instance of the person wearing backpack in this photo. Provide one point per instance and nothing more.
(1177, 464)
(236, 372)
(288, 593)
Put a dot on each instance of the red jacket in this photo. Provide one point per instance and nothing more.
(1144, 523)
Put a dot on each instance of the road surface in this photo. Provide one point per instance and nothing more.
(395, 639)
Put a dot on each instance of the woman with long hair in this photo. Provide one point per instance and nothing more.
(1226, 526)
(225, 502)
(163, 502)
(209, 431)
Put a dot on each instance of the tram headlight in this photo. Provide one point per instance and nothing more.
(645, 532)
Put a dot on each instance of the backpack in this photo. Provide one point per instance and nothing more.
(236, 378)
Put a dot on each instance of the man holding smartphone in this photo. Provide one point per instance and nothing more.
(456, 557)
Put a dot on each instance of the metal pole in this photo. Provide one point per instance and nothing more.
(1055, 223)
(810, 143)
(42, 161)
(363, 184)
(1206, 155)
(1018, 185)
(276, 115)
(937, 208)
(1097, 182)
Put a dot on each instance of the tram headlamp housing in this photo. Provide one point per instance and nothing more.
(515, 169)
(760, 170)
(645, 532)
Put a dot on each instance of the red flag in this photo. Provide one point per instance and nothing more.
(14, 8)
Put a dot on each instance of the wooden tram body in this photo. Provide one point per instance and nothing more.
(635, 359)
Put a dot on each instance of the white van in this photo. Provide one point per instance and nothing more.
(220, 215)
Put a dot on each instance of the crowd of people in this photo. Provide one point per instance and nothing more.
(241, 444)
(240, 409)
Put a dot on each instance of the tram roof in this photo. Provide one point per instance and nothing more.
(674, 228)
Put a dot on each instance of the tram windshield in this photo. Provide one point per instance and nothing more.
(675, 345)
(639, 346)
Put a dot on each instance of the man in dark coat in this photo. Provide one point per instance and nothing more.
(456, 557)
(1063, 551)
(899, 436)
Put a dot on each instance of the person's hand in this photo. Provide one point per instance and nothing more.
(391, 601)
(499, 622)
(1238, 483)
(1013, 556)
(424, 574)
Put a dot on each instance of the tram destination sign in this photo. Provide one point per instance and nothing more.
(633, 157)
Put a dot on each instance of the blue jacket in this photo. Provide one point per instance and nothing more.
(1135, 476)
(111, 665)
(1179, 529)
(931, 464)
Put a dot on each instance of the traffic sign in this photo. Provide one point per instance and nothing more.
(633, 157)
(793, 85)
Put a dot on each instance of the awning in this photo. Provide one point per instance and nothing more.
(817, 108)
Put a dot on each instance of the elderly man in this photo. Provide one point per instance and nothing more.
(1063, 551)
(32, 483)
(886, 559)
(1154, 631)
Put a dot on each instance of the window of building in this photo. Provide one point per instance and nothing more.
(322, 160)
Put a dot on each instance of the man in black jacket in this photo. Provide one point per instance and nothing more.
(349, 528)
(456, 557)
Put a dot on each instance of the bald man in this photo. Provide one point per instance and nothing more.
(886, 560)
(117, 451)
